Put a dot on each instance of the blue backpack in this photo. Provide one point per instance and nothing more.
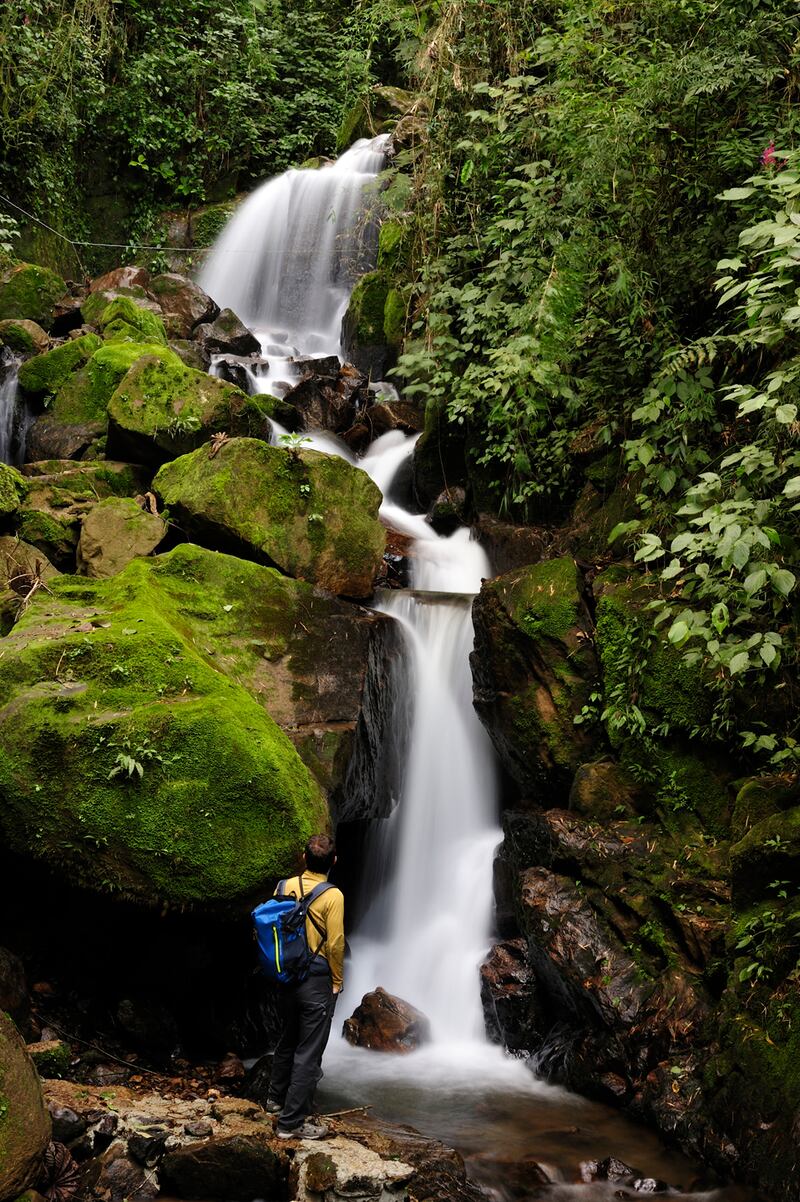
(281, 934)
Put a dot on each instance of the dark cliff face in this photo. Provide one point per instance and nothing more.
(638, 881)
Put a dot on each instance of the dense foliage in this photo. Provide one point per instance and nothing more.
(167, 103)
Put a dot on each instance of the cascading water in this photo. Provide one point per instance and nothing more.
(286, 264)
(287, 261)
(8, 409)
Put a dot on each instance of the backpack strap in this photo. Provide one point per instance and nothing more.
(307, 899)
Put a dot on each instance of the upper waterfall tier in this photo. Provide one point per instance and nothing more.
(287, 260)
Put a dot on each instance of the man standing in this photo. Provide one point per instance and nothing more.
(307, 1007)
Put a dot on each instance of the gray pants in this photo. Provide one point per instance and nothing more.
(306, 1011)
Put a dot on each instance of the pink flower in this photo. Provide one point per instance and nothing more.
(768, 156)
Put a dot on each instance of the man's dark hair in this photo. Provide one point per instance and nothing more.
(320, 853)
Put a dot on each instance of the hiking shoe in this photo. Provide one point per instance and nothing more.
(273, 1107)
(306, 1130)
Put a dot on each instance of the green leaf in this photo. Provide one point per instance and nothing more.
(623, 528)
(678, 633)
(783, 581)
(792, 487)
(768, 653)
(736, 194)
(786, 414)
(755, 581)
(739, 662)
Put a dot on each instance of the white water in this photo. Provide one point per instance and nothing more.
(8, 408)
(287, 260)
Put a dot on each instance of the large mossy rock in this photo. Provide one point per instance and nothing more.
(439, 461)
(534, 669)
(24, 337)
(77, 413)
(130, 762)
(30, 293)
(21, 565)
(13, 490)
(124, 321)
(113, 533)
(24, 1120)
(162, 408)
(364, 333)
(312, 515)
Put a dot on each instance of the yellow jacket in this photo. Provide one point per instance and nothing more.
(328, 910)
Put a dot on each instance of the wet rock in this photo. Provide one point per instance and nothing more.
(347, 1170)
(329, 402)
(522, 1180)
(325, 365)
(14, 997)
(604, 791)
(439, 457)
(183, 303)
(237, 1168)
(294, 509)
(226, 335)
(113, 533)
(49, 438)
(383, 416)
(24, 1139)
(116, 1177)
(236, 370)
(67, 1124)
(200, 1129)
(534, 669)
(619, 1173)
(192, 354)
(585, 968)
(508, 993)
(148, 1147)
(448, 511)
(385, 1023)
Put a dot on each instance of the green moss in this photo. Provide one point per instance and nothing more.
(208, 223)
(52, 1059)
(760, 798)
(770, 851)
(45, 374)
(30, 292)
(394, 318)
(57, 540)
(264, 497)
(25, 337)
(390, 240)
(162, 408)
(13, 490)
(365, 313)
(223, 800)
(544, 599)
(123, 314)
(96, 303)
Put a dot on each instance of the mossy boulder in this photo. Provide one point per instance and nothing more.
(534, 669)
(125, 321)
(114, 532)
(95, 304)
(209, 222)
(52, 1057)
(162, 408)
(769, 852)
(130, 763)
(302, 655)
(312, 515)
(30, 292)
(363, 327)
(376, 111)
(13, 490)
(390, 245)
(42, 376)
(24, 337)
(24, 1120)
(59, 495)
(227, 335)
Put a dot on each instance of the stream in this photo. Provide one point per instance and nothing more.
(286, 263)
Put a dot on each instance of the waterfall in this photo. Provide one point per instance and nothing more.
(287, 260)
(8, 409)
(430, 925)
